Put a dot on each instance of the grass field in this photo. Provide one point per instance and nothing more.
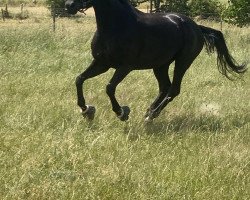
(199, 147)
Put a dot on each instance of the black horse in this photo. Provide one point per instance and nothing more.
(128, 39)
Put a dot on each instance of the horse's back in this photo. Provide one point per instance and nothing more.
(163, 36)
(153, 40)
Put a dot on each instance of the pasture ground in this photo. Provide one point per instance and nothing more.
(199, 147)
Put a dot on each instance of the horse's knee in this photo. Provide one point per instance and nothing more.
(110, 89)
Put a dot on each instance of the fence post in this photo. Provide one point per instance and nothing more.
(3, 14)
(21, 11)
(151, 6)
(53, 15)
(221, 21)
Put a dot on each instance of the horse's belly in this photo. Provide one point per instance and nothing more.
(139, 52)
(156, 55)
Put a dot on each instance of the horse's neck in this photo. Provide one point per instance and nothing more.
(111, 14)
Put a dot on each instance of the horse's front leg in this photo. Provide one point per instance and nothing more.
(93, 70)
(121, 112)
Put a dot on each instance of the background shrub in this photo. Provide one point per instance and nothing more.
(180, 6)
(57, 7)
(238, 12)
(205, 8)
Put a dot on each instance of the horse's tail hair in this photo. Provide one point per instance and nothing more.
(214, 39)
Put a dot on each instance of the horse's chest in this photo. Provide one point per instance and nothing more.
(114, 50)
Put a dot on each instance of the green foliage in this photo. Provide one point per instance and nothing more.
(135, 2)
(238, 12)
(56, 3)
(57, 7)
(60, 3)
(180, 6)
(205, 8)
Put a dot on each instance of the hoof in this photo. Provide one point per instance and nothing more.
(89, 113)
(150, 116)
(148, 119)
(148, 113)
(125, 113)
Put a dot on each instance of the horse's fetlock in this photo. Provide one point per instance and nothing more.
(119, 113)
(124, 116)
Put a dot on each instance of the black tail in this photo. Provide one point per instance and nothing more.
(226, 63)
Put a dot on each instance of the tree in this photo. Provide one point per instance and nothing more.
(57, 8)
(180, 6)
(238, 12)
(205, 8)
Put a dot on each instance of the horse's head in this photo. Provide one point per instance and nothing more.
(73, 6)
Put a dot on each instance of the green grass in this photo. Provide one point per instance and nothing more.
(48, 151)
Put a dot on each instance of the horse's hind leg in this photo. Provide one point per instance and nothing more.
(161, 74)
(93, 70)
(181, 66)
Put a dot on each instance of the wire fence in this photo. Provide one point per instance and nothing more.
(22, 14)
(57, 12)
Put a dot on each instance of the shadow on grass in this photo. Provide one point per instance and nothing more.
(191, 123)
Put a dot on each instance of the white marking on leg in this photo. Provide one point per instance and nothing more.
(86, 110)
(148, 119)
(122, 113)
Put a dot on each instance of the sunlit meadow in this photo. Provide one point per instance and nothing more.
(198, 148)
